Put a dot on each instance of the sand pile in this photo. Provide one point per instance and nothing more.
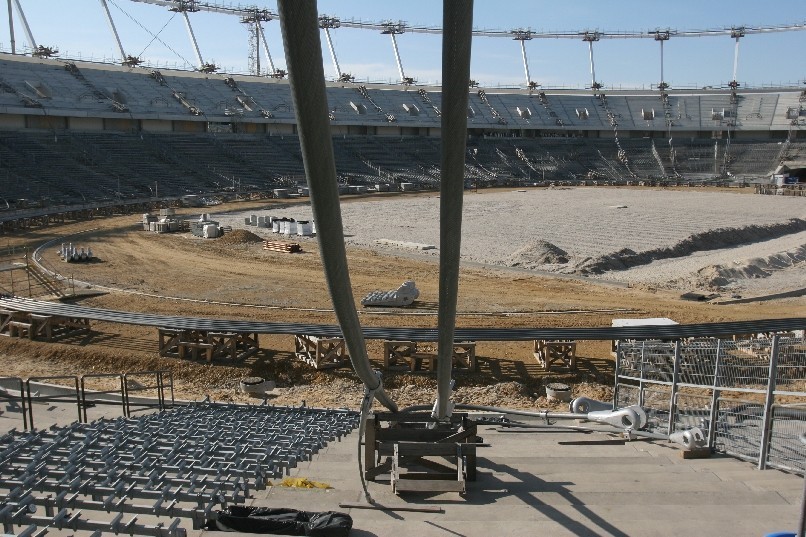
(709, 240)
(537, 253)
(239, 236)
(720, 276)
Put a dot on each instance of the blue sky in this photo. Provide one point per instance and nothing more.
(79, 27)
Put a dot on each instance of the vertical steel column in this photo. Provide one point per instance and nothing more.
(457, 37)
(661, 64)
(593, 67)
(303, 50)
(193, 39)
(114, 30)
(802, 522)
(712, 417)
(736, 58)
(21, 15)
(766, 431)
(675, 379)
(11, 27)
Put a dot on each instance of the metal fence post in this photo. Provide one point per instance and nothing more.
(766, 430)
(641, 376)
(714, 399)
(675, 378)
(618, 372)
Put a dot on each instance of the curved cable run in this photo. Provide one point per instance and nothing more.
(666, 332)
(456, 41)
(303, 50)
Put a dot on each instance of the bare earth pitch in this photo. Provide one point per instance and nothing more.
(499, 227)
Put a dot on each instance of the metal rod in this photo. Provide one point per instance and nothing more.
(25, 27)
(332, 53)
(736, 58)
(525, 62)
(766, 430)
(11, 28)
(593, 67)
(397, 57)
(661, 64)
(299, 24)
(114, 33)
(192, 41)
(456, 47)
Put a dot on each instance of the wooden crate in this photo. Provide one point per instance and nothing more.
(321, 352)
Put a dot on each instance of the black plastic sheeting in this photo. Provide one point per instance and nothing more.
(669, 332)
(282, 521)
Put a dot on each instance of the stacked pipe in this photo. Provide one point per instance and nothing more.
(182, 464)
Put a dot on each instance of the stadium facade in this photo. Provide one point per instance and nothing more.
(73, 131)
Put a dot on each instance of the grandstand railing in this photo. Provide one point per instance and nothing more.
(748, 394)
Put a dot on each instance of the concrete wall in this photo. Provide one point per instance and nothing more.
(86, 123)
(12, 121)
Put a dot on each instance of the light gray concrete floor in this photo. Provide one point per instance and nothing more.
(536, 483)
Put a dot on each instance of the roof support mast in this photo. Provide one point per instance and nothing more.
(660, 37)
(392, 29)
(193, 39)
(266, 48)
(590, 37)
(523, 36)
(736, 33)
(114, 30)
(11, 27)
(326, 23)
(28, 34)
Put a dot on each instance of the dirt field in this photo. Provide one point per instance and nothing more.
(235, 278)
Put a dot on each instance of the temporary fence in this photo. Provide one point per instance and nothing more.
(749, 394)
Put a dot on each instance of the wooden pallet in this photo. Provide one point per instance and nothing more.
(285, 247)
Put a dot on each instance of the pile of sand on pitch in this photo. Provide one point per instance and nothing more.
(239, 236)
(719, 276)
(537, 253)
(714, 239)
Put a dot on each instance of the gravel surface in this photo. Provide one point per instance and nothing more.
(675, 239)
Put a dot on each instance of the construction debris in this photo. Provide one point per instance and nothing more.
(404, 295)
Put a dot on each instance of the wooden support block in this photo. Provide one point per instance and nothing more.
(696, 453)
(548, 352)
(395, 352)
(320, 352)
(422, 361)
(464, 355)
